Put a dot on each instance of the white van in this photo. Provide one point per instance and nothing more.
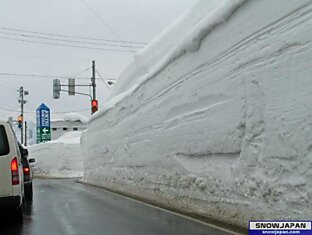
(11, 173)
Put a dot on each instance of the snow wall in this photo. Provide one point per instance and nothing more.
(215, 116)
(61, 158)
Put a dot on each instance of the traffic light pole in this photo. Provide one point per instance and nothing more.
(22, 113)
(22, 101)
(93, 80)
(57, 88)
(94, 102)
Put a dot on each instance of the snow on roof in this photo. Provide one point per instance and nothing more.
(72, 117)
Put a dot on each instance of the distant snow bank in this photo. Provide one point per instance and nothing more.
(59, 158)
(215, 116)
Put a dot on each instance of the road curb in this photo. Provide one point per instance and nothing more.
(233, 229)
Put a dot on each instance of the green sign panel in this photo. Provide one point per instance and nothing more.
(43, 134)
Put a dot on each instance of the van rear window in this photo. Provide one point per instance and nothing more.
(4, 144)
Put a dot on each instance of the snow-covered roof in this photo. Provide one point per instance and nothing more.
(72, 117)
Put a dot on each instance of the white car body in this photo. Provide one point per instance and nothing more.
(11, 171)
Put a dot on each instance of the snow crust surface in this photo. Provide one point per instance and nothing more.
(61, 158)
(215, 116)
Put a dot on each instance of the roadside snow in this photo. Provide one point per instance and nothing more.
(60, 158)
(215, 116)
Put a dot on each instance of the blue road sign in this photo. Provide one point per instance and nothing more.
(43, 124)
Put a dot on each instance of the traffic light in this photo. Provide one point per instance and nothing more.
(20, 121)
(71, 86)
(94, 106)
(56, 89)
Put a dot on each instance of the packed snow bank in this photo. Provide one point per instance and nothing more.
(59, 158)
(223, 131)
(185, 35)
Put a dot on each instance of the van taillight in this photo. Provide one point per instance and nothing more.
(14, 171)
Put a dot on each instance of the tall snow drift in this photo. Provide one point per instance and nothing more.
(215, 116)
(61, 158)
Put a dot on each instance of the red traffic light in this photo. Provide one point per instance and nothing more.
(94, 103)
(94, 106)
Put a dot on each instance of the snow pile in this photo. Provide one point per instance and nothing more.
(59, 158)
(73, 117)
(215, 117)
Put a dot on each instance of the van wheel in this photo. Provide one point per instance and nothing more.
(20, 212)
(29, 192)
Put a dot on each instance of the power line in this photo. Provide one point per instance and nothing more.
(38, 76)
(66, 45)
(77, 74)
(44, 57)
(72, 41)
(82, 71)
(47, 76)
(101, 19)
(102, 79)
(69, 36)
(6, 96)
(13, 110)
(61, 112)
(8, 85)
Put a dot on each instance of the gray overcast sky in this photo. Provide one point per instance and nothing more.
(132, 20)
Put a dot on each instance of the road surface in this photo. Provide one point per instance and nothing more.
(67, 207)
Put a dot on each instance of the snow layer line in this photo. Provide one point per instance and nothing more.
(190, 42)
(224, 131)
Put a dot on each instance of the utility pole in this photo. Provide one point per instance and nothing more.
(22, 112)
(93, 80)
(22, 101)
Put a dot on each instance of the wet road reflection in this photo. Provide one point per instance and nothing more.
(66, 207)
(8, 224)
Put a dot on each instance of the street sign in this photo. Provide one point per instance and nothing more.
(43, 124)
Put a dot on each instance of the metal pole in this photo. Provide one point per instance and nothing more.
(93, 80)
(22, 112)
(93, 84)
(25, 133)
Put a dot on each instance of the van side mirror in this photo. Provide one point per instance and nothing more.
(32, 160)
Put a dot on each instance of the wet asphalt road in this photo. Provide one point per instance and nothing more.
(66, 207)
